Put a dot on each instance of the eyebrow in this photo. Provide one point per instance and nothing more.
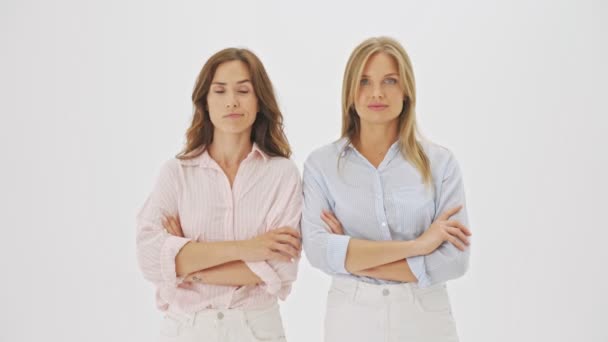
(391, 74)
(239, 82)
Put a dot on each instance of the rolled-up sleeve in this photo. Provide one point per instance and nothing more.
(278, 276)
(156, 249)
(446, 262)
(324, 250)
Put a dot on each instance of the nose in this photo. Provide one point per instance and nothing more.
(232, 102)
(377, 92)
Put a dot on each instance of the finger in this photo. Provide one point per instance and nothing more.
(285, 249)
(172, 228)
(288, 239)
(448, 213)
(334, 219)
(177, 229)
(330, 224)
(459, 234)
(457, 224)
(288, 230)
(167, 225)
(456, 242)
(289, 251)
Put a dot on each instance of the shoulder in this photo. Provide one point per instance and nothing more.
(283, 168)
(441, 158)
(170, 167)
(325, 155)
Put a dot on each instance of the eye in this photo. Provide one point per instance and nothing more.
(218, 90)
(364, 82)
(243, 91)
(390, 81)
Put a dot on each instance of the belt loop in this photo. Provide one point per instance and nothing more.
(356, 289)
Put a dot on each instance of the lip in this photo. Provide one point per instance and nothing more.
(377, 106)
(233, 116)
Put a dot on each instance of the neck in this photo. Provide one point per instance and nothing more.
(230, 149)
(376, 139)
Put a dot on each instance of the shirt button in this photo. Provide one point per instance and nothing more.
(383, 224)
(385, 292)
(220, 315)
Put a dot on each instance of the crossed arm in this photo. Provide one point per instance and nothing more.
(439, 254)
(385, 259)
(221, 263)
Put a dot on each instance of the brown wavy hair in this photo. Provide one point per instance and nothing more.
(267, 131)
(409, 143)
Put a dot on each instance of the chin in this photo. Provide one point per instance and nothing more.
(378, 118)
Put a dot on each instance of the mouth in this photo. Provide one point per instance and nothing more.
(377, 106)
(233, 116)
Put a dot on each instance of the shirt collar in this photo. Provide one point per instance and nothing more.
(256, 150)
(344, 145)
(204, 159)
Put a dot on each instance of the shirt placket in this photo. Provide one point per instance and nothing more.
(228, 227)
(378, 193)
(380, 205)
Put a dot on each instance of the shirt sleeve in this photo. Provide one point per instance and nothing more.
(286, 211)
(324, 250)
(447, 262)
(156, 249)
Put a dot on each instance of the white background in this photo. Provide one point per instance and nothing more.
(95, 96)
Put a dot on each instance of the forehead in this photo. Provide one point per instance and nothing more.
(231, 71)
(381, 64)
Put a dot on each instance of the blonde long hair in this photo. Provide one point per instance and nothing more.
(267, 131)
(409, 143)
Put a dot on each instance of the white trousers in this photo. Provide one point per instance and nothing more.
(224, 326)
(358, 311)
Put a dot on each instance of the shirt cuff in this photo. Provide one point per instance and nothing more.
(171, 246)
(336, 253)
(272, 282)
(418, 268)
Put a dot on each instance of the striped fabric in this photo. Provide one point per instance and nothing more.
(266, 194)
(387, 203)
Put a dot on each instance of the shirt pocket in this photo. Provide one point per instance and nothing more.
(412, 210)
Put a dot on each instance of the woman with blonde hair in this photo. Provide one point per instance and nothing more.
(384, 210)
(219, 234)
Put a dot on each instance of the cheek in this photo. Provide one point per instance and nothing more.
(250, 104)
(360, 99)
(395, 95)
(213, 103)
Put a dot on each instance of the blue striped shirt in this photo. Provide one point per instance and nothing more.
(390, 202)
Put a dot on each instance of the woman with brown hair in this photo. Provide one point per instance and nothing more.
(384, 210)
(219, 234)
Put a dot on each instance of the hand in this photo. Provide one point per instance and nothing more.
(332, 222)
(280, 244)
(173, 226)
(444, 229)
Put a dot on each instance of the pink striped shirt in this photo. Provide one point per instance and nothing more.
(266, 195)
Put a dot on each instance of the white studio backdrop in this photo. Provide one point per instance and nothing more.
(96, 95)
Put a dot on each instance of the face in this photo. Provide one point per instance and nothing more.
(380, 97)
(232, 103)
